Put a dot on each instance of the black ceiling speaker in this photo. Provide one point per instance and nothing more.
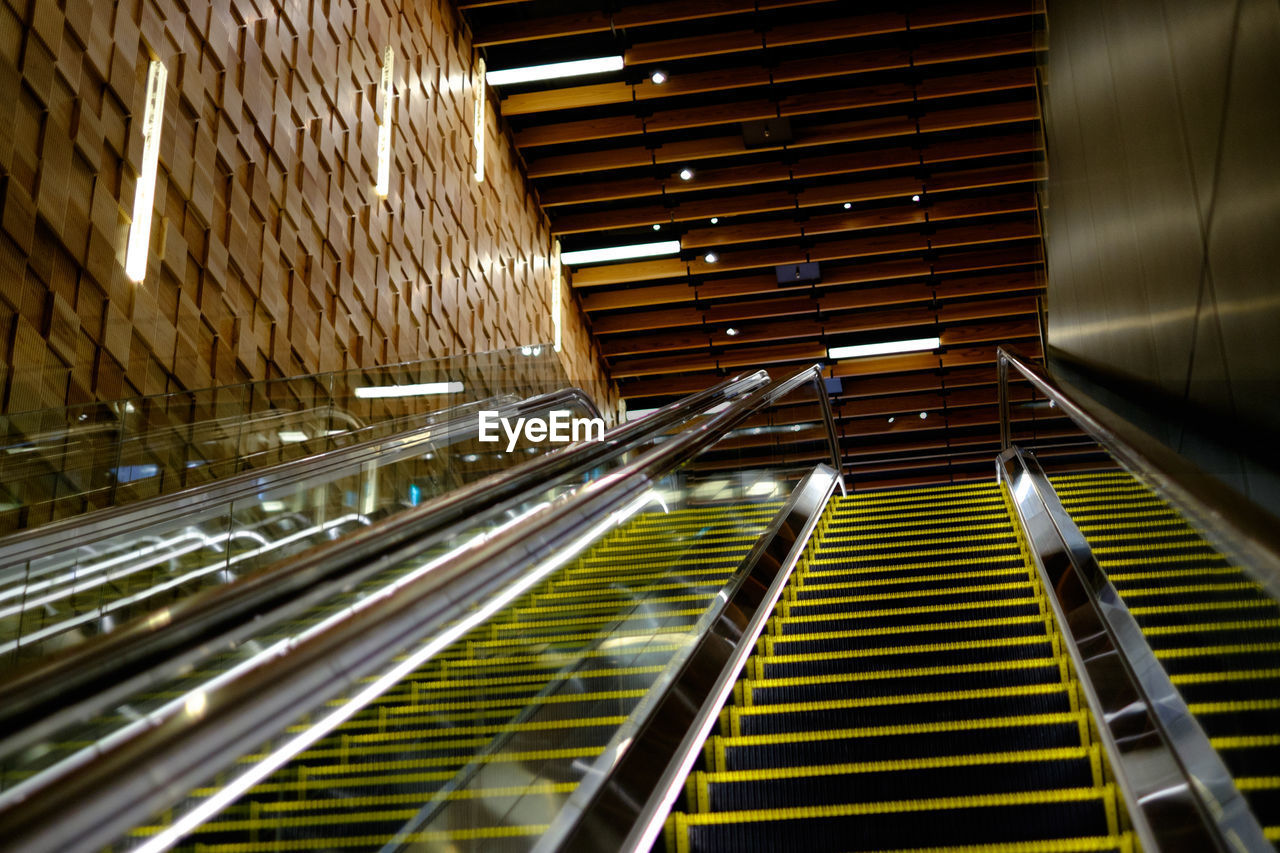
(766, 133)
(798, 273)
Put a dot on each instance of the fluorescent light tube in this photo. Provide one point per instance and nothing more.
(621, 253)
(293, 436)
(420, 390)
(555, 70)
(383, 185)
(887, 348)
(144, 194)
(478, 129)
(557, 297)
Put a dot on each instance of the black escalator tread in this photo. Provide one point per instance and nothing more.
(1214, 630)
(910, 691)
(533, 687)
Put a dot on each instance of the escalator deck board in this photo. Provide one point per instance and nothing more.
(910, 692)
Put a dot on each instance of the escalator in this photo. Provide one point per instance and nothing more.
(912, 691)
(617, 646)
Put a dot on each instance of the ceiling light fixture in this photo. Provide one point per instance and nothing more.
(419, 390)
(621, 253)
(556, 70)
(848, 204)
(711, 257)
(715, 219)
(915, 197)
(924, 415)
(886, 348)
(686, 174)
(731, 332)
(658, 77)
(657, 227)
(891, 420)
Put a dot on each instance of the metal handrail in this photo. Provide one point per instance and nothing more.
(1180, 795)
(38, 698)
(140, 776)
(1232, 523)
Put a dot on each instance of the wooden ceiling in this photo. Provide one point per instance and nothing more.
(910, 175)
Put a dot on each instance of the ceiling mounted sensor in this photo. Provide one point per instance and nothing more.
(798, 273)
(766, 133)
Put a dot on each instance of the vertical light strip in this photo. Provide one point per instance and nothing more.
(479, 119)
(557, 282)
(144, 194)
(384, 130)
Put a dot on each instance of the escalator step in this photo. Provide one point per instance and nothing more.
(908, 709)
(887, 743)
(832, 784)
(920, 680)
(986, 819)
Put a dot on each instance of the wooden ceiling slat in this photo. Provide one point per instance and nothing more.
(853, 131)
(641, 321)
(631, 271)
(874, 320)
(894, 294)
(755, 356)
(663, 294)
(692, 47)
(949, 14)
(567, 98)
(795, 105)
(578, 131)
(875, 364)
(997, 330)
(684, 211)
(665, 342)
(955, 311)
(966, 261)
(662, 364)
(758, 309)
(729, 288)
(530, 29)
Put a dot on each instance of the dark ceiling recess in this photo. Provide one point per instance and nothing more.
(904, 155)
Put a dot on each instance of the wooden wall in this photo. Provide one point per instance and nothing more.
(271, 254)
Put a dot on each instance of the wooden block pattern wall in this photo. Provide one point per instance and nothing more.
(271, 255)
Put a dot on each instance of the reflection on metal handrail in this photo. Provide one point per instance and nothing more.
(1235, 525)
(132, 780)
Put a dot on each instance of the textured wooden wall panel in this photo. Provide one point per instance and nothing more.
(270, 253)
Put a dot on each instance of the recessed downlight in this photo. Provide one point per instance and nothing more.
(924, 415)
(715, 219)
(658, 77)
(711, 257)
(686, 174)
(848, 204)
(915, 197)
(657, 227)
(731, 332)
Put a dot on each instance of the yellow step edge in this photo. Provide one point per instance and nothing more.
(788, 606)
(911, 672)
(374, 841)
(922, 648)
(772, 641)
(1233, 675)
(1208, 651)
(906, 611)
(737, 712)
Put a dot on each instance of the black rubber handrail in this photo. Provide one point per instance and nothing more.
(79, 682)
(143, 775)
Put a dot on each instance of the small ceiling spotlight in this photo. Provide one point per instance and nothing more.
(924, 415)
(658, 77)
(657, 227)
(711, 257)
(731, 332)
(891, 420)
(915, 197)
(715, 219)
(848, 204)
(686, 174)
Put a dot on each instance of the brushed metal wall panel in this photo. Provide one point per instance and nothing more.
(1163, 213)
